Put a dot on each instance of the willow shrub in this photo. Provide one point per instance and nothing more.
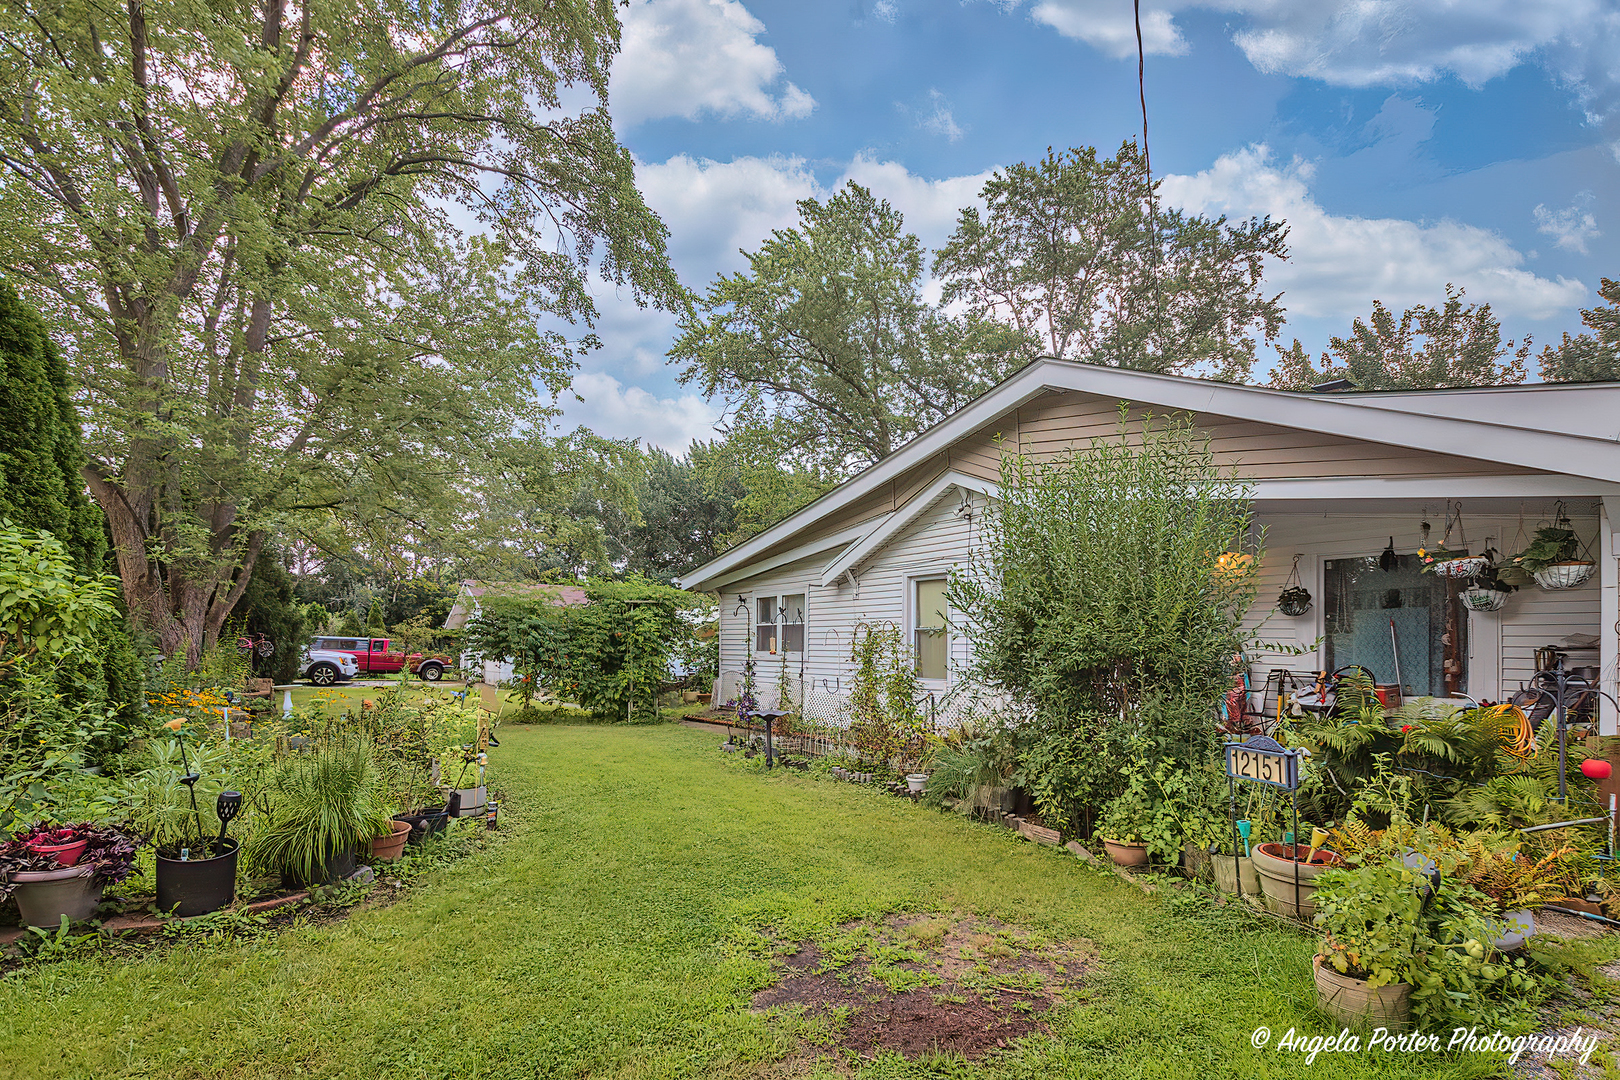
(1099, 599)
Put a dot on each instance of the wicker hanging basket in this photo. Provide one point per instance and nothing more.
(1465, 567)
(1478, 598)
(1565, 575)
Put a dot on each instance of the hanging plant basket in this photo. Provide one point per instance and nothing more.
(1565, 575)
(1479, 598)
(1464, 567)
(1294, 601)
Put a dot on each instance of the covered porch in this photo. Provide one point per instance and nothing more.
(1383, 613)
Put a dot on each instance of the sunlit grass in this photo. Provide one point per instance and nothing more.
(621, 933)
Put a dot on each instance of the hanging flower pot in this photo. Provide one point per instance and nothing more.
(1564, 575)
(1295, 599)
(1442, 561)
(1479, 598)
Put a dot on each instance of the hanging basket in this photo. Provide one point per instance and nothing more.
(1482, 599)
(1294, 601)
(1464, 567)
(1565, 575)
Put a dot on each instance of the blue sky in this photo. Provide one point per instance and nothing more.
(1407, 144)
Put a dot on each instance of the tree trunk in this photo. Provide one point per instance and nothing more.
(186, 609)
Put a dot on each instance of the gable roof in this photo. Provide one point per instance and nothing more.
(1569, 429)
(467, 598)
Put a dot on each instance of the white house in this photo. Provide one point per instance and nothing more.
(469, 602)
(1336, 477)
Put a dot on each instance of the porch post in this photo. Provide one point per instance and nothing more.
(1609, 607)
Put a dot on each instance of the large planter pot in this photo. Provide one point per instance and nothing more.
(1350, 1002)
(915, 782)
(44, 896)
(1126, 854)
(337, 867)
(473, 800)
(197, 886)
(1275, 864)
(388, 848)
(1231, 871)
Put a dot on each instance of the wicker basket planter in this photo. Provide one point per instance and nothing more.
(1478, 599)
(1565, 575)
(1465, 567)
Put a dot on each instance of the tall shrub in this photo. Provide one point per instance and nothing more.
(1108, 597)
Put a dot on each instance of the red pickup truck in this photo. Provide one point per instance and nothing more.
(375, 658)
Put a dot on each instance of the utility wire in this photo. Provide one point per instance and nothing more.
(1147, 170)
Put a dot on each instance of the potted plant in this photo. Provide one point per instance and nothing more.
(1488, 590)
(1124, 824)
(1373, 945)
(1444, 562)
(1551, 557)
(45, 890)
(1287, 874)
(321, 806)
(184, 815)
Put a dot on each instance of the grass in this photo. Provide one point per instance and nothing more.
(619, 932)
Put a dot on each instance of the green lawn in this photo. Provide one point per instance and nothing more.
(614, 933)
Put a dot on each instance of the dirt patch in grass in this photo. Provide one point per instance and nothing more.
(919, 985)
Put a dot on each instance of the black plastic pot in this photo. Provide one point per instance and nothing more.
(197, 886)
(426, 822)
(337, 867)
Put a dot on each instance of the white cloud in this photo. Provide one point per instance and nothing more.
(619, 411)
(1109, 26)
(886, 10)
(939, 120)
(1338, 265)
(930, 207)
(1570, 227)
(1376, 42)
(712, 208)
(691, 57)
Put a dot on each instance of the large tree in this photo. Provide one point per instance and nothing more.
(242, 221)
(825, 346)
(680, 520)
(1593, 357)
(1079, 253)
(1455, 344)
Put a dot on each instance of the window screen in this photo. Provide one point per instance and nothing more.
(765, 624)
(930, 640)
(793, 622)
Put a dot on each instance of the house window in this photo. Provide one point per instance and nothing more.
(765, 624)
(779, 623)
(930, 640)
(792, 612)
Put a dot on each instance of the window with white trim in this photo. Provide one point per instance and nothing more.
(930, 639)
(779, 623)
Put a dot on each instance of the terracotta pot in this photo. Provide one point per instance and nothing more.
(1350, 1002)
(44, 896)
(1275, 864)
(1126, 854)
(388, 848)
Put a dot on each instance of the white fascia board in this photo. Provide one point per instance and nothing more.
(1554, 451)
(1371, 420)
(713, 581)
(858, 552)
(1513, 486)
(1018, 389)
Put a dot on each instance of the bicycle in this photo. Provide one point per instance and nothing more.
(256, 643)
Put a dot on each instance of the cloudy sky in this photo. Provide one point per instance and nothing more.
(1407, 143)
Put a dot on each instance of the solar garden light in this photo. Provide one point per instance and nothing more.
(227, 806)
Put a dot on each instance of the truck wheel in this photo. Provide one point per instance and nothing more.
(431, 672)
(323, 674)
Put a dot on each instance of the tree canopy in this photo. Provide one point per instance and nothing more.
(1593, 357)
(1076, 253)
(824, 349)
(1427, 347)
(243, 229)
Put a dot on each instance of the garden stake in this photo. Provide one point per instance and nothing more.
(226, 806)
(1243, 828)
